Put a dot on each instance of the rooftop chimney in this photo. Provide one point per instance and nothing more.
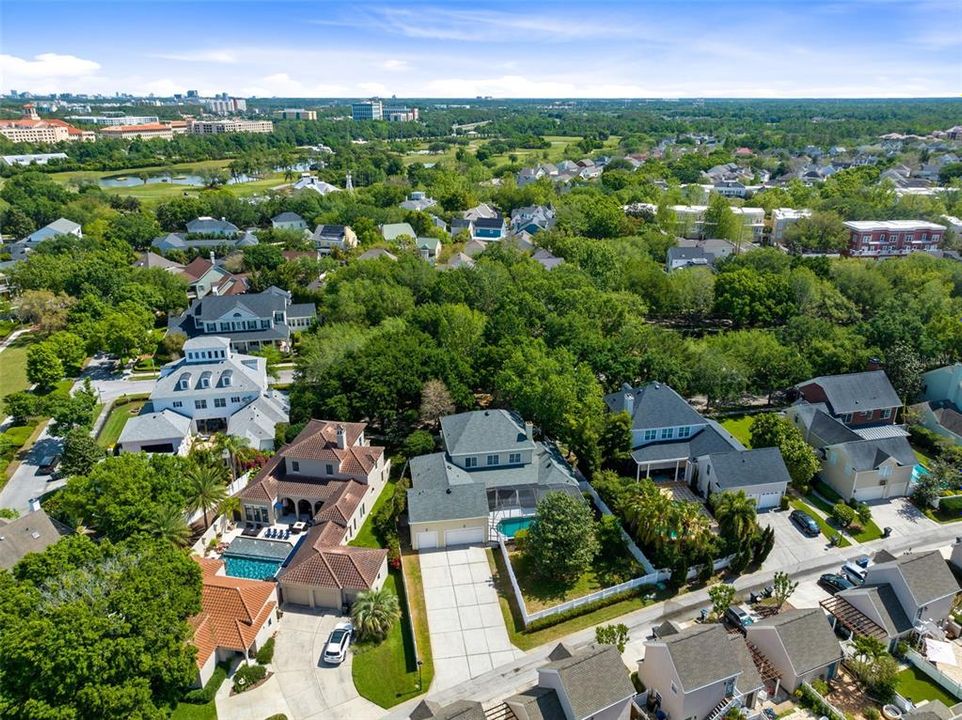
(211, 257)
(529, 430)
(630, 404)
(341, 437)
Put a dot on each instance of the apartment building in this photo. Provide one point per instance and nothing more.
(216, 127)
(147, 131)
(295, 114)
(892, 238)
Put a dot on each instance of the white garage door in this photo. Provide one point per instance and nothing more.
(865, 494)
(763, 501)
(426, 540)
(464, 536)
(296, 595)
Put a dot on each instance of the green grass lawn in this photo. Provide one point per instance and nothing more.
(827, 530)
(922, 457)
(7, 327)
(915, 686)
(13, 365)
(606, 571)
(119, 415)
(365, 536)
(870, 531)
(190, 711)
(526, 640)
(740, 427)
(387, 673)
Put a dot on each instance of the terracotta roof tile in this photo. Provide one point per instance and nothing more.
(341, 566)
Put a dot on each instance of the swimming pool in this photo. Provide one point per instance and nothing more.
(918, 471)
(251, 568)
(510, 526)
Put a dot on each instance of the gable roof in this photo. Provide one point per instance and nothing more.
(392, 231)
(856, 392)
(458, 710)
(820, 428)
(886, 604)
(286, 217)
(30, 533)
(163, 425)
(744, 468)
(479, 431)
(870, 454)
(60, 226)
(150, 259)
(539, 703)
(926, 575)
(593, 679)
(653, 405)
(317, 562)
(807, 637)
(701, 654)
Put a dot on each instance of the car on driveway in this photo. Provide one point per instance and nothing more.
(805, 523)
(834, 582)
(854, 573)
(739, 618)
(335, 652)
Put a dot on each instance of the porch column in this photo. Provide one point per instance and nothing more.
(778, 684)
(637, 471)
(647, 470)
(677, 462)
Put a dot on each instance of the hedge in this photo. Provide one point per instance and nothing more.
(546, 622)
(202, 696)
(250, 674)
(266, 653)
(951, 503)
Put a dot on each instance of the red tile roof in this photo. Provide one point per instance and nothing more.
(233, 610)
(341, 566)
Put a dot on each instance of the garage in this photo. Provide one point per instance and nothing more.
(296, 595)
(426, 540)
(311, 597)
(764, 501)
(464, 536)
(864, 494)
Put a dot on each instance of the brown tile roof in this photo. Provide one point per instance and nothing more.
(318, 441)
(340, 566)
(233, 610)
(195, 269)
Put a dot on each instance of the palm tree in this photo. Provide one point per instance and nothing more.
(234, 446)
(375, 612)
(207, 489)
(735, 512)
(229, 506)
(169, 524)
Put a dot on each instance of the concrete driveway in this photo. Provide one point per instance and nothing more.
(902, 516)
(468, 636)
(26, 482)
(303, 688)
(791, 546)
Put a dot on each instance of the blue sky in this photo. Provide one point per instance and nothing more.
(705, 48)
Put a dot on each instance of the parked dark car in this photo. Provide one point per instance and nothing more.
(738, 618)
(835, 583)
(805, 523)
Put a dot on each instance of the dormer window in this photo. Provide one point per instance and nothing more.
(329, 469)
(493, 460)
(470, 462)
(295, 466)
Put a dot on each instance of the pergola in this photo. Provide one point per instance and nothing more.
(853, 619)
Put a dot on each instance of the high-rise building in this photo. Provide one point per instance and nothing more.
(295, 114)
(367, 110)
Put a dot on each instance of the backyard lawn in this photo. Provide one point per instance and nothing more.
(740, 427)
(13, 366)
(526, 640)
(119, 415)
(387, 673)
(869, 532)
(827, 530)
(190, 711)
(915, 686)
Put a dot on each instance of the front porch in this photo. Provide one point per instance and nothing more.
(673, 470)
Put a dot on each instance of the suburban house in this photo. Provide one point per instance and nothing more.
(491, 468)
(667, 433)
(856, 399)
(761, 474)
(693, 253)
(799, 644)
(249, 321)
(376, 253)
(237, 617)
(206, 233)
(215, 390)
(942, 392)
(392, 231)
(699, 673)
(418, 202)
(866, 464)
(33, 532)
(532, 219)
(587, 684)
(428, 248)
(61, 226)
(782, 219)
(149, 260)
(485, 229)
(309, 182)
(329, 476)
(204, 276)
(890, 238)
(898, 596)
(546, 259)
(328, 238)
(288, 221)
(457, 261)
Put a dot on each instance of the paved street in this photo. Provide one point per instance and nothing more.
(26, 483)
(468, 637)
(302, 687)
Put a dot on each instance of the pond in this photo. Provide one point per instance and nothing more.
(189, 179)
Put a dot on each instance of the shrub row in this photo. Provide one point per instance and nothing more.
(549, 621)
(250, 674)
(266, 653)
(204, 695)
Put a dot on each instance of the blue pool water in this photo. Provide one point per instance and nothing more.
(510, 526)
(251, 568)
(918, 471)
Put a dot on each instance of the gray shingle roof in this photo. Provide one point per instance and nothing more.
(927, 575)
(708, 440)
(209, 225)
(689, 254)
(820, 428)
(288, 216)
(749, 680)
(887, 605)
(932, 710)
(807, 636)
(655, 405)
(480, 431)
(593, 679)
(869, 454)
(738, 469)
(164, 425)
(30, 533)
(458, 710)
(857, 392)
(702, 655)
(63, 226)
(539, 703)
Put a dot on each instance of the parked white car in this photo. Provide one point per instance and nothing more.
(335, 652)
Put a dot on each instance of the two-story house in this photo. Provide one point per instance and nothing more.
(799, 644)
(667, 433)
(485, 229)
(897, 595)
(532, 219)
(699, 673)
(215, 390)
(328, 238)
(288, 221)
(941, 409)
(760, 473)
(206, 233)
(856, 399)
(249, 321)
(329, 476)
(487, 480)
(417, 201)
(205, 276)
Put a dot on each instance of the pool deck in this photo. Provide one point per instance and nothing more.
(495, 517)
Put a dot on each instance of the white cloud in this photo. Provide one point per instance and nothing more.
(373, 88)
(395, 65)
(46, 72)
(225, 57)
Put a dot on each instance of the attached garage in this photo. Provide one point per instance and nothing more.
(426, 540)
(464, 536)
(311, 596)
(766, 500)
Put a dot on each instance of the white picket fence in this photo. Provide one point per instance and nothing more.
(934, 674)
